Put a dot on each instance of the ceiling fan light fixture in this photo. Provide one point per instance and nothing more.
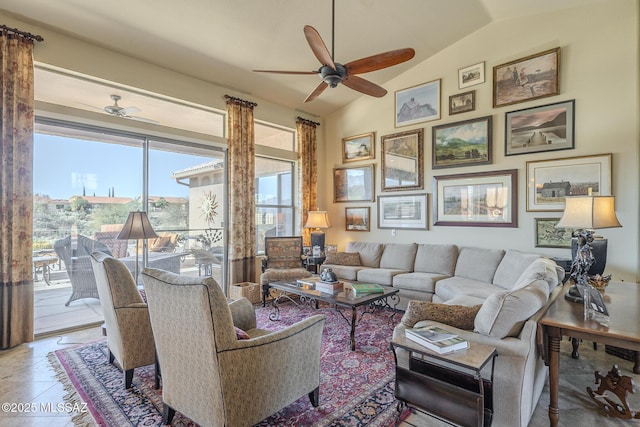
(333, 77)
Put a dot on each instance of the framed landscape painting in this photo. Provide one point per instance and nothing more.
(354, 184)
(463, 143)
(417, 104)
(483, 199)
(357, 219)
(545, 128)
(535, 76)
(548, 236)
(471, 75)
(402, 160)
(406, 211)
(359, 147)
(550, 181)
(462, 102)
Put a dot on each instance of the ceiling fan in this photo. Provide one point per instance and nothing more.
(334, 73)
(125, 112)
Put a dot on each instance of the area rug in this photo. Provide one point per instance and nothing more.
(356, 387)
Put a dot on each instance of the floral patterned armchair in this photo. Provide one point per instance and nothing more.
(283, 261)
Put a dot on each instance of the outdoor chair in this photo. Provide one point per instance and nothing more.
(126, 316)
(218, 368)
(118, 247)
(76, 255)
(283, 261)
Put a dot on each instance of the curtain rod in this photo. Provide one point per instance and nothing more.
(307, 121)
(35, 37)
(233, 99)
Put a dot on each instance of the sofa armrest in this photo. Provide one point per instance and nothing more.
(243, 314)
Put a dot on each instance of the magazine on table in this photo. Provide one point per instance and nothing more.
(432, 333)
(446, 345)
(360, 289)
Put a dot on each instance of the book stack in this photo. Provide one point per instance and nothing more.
(307, 283)
(360, 289)
(332, 288)
(437, 339)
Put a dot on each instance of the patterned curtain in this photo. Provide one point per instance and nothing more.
(16, 194)
(307, 172)
(242, 235)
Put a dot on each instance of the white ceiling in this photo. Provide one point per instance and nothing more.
(222, 41)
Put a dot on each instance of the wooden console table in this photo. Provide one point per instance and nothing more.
(566, 318)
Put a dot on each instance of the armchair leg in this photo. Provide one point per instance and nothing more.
(167, 414)
(128, 378)
(157, 375)
(314, 397)
(111, 357)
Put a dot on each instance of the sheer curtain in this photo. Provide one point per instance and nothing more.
(242, 233)
(16, 196)
(307, 172)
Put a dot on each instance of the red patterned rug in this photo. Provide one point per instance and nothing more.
(356, 387)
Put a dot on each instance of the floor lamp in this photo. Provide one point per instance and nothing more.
(137, 227)
(587, 213)
(317, 220)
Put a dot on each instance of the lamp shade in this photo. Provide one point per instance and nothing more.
(137, 227)
(317, 219)
(589, 212)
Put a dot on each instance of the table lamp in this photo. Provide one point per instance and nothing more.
(137, 227)
(587, 213)
(317, 220)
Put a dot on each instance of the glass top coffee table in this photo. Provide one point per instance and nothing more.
(311, 297)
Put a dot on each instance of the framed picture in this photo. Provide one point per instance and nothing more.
(357, 219)
(330, 249)
(463, 143)
(406, 211)
(359, 147)
(353, 184)
(550, 181)
(545, 128)
(402, 160)
(471, 75)
(484, 199)
(462, 102)
(535, 76)
(548, 236)
(418, 104)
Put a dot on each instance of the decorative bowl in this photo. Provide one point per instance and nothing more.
(599, 282)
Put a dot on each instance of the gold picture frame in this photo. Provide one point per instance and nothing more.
(359, 147)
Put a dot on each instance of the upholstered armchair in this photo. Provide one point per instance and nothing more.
(129, 335)
(211, 375)
(283, 261)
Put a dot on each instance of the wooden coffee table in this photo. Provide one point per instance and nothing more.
(311, 297)
(564, 318)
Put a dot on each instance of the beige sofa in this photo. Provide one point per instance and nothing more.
(512, 288)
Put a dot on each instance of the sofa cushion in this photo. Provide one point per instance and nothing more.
(346, 272)
(343, 258)
(381, 276)
(399, 255)
(478, 263)
(436, 259)
(504, 313)
(511, 267)
(425, 282)
(455, 286)
(370, 253)
(458, 316)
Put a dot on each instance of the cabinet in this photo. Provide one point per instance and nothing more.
(455, 387)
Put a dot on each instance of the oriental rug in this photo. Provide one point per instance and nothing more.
(356, 387)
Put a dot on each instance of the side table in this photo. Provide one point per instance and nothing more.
(312, 263)
(449, 387)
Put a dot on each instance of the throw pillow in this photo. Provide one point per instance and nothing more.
(343, 258)
(240, 334)
(458, 316)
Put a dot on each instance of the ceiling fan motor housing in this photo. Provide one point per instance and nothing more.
(333, 77)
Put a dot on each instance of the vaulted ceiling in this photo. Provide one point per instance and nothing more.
(223, 41)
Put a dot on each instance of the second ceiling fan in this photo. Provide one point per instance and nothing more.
(334, 73)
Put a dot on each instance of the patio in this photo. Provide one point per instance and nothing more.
(50, 314)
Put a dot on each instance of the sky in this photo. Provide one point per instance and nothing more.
(63, 166)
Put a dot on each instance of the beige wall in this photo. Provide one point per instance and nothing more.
(599, 69)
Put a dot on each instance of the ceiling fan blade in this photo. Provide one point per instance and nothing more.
(284, 72)
(380, 61)
(129, 110)
(142, 119)
(364, 86)
(318, 47)
(317, 91)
